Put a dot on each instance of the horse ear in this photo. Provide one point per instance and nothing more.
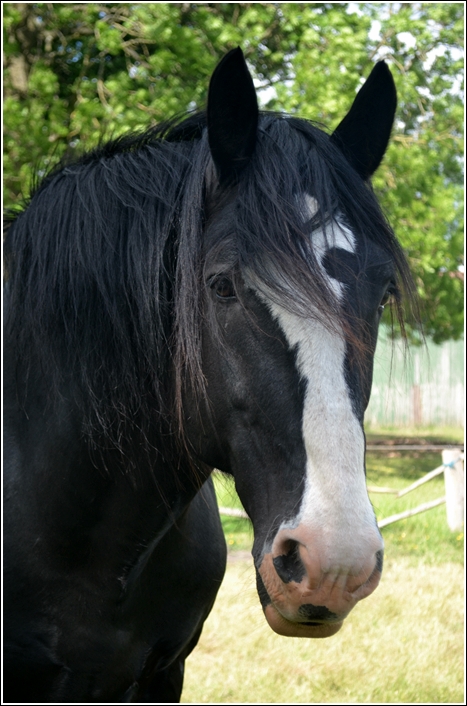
(232, 116)
(363, 134)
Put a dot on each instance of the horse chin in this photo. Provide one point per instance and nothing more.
(282, 626)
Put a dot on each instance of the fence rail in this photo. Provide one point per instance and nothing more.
(453, 469)
(408, 513)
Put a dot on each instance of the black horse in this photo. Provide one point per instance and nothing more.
(204, 295)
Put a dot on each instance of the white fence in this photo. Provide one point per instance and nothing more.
(453, 469)
(423, 388)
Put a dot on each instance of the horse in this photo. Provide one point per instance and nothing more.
(203, 295)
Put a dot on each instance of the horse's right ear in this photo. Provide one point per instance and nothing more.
(232, 116)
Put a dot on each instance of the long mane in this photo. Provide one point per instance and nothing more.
(105, 263)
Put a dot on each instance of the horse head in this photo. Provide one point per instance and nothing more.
(295, 282)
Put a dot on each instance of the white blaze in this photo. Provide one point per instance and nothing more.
(335, 504)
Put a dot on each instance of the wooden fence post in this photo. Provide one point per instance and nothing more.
(453, 462)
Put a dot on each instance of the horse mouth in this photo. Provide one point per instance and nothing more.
(309, 628)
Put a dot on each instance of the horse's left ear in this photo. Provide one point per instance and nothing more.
(232, 116)
(363, 134)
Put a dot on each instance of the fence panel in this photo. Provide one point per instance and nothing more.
(423, 388)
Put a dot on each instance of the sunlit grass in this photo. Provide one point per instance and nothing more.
(404, 644)
(433, 434)
(238, 531)
(427, 535)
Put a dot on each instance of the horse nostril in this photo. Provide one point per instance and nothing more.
(316, 613)
(289, 565)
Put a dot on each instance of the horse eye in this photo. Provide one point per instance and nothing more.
(223, 288)
(388, 296)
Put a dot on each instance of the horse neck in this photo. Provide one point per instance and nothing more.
(95, 503)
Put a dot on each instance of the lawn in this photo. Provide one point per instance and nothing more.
(404, 644)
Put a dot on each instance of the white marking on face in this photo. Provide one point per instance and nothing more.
(335, 501)
(335, 235)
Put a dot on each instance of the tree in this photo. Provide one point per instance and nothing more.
(77, 72)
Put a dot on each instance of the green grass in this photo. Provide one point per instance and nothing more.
(434, 435)
(404, 644)
(426, 535)
(238, 531)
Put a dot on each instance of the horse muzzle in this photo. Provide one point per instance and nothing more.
(315, 629)
(306, 593)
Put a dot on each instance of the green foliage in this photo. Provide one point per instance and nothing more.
(76, 72)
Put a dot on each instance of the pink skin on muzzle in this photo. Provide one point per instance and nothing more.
(331, 584)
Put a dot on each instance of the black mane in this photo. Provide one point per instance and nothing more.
(105, 264)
